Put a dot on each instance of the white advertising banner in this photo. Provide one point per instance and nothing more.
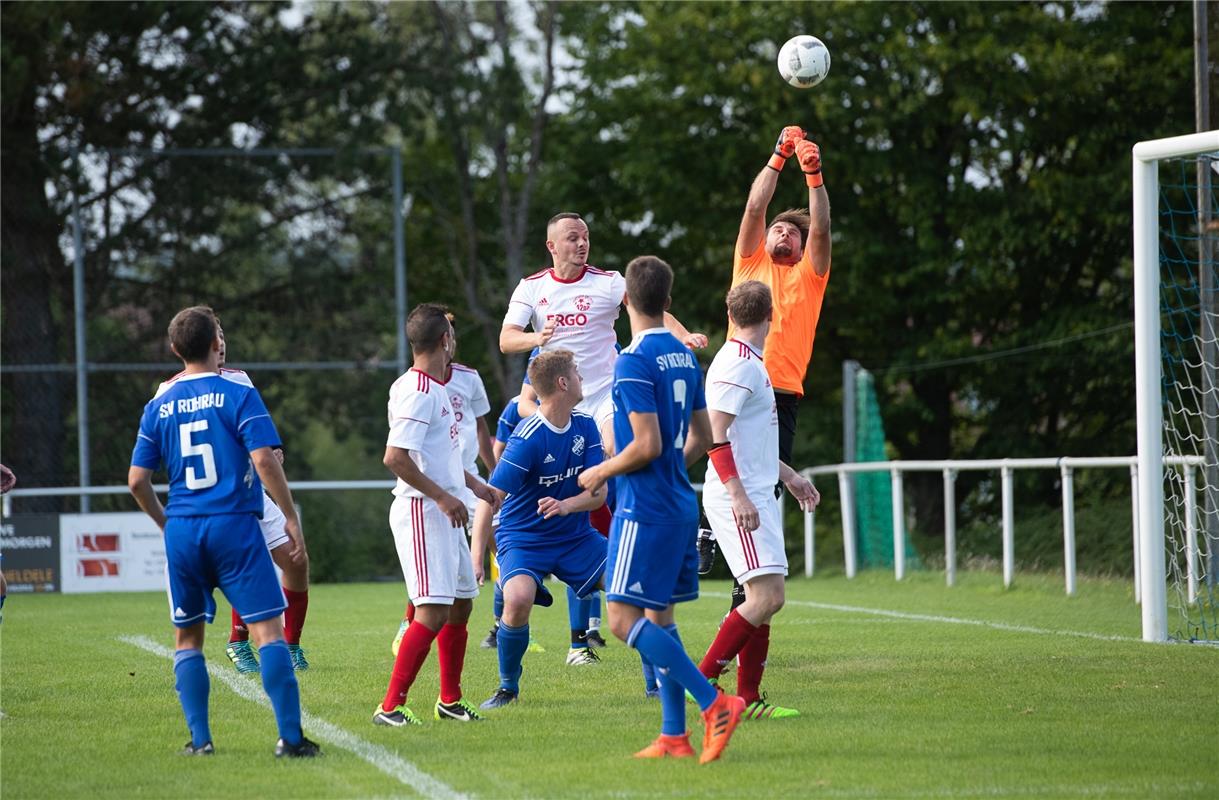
(122, 552)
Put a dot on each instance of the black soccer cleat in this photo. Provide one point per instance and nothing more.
(706, 551)
(492, 640)
(595, 639)
(303, 749)
(501, 698)
(204, 749)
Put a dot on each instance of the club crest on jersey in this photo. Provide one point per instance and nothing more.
(577, 445)
(584, 303)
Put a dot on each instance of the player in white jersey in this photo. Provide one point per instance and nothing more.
(573, 305)
(428, 519)
(295, 575)
(468, 397)
(738, 495)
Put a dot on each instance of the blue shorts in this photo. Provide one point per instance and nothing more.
(652, 565)
(225, 551)
(579, 561)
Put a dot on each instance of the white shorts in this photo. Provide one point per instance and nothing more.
(599, 406)
(748, 553)
(435, 556)
(272, 523)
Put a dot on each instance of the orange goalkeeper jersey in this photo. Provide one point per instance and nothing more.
(797, 292)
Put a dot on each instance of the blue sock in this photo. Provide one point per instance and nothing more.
(649, 673)
(191, 681)
(577, 619)
(280, 684)
(511, 643)
(594, 609)
(497, 604)
(672, 699)
(666, 653)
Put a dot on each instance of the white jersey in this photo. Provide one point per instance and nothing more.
(468, 397)
(737, 383)
(421, 420)
(584, 310)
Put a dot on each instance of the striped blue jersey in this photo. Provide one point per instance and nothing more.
(657, 374)
(202, 429)
(544, 461)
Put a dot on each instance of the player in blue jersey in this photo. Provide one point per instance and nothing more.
(215, 438)
(544, 526)
(660, 426)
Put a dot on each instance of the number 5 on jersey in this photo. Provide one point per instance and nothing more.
(201, 449)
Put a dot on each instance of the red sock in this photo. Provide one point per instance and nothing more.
(294, 615)
(239, 632)
(410, 611)
(411, 655)
(601, 519)
(733, 635)
(451, 650)
(753, 663)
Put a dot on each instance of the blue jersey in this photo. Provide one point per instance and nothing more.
(203, 429)
(509, 418)
(544, 461)
(657, 374)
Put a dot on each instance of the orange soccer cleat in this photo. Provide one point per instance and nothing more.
(721, 720)
(673, 746)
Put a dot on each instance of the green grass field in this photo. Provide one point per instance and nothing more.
(908, 690)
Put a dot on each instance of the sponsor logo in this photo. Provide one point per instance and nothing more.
(577, 445)
(551, 480)
(543, 302)
(178, 612)
(569, 320)
(635, 587)
(25, 542)
(97, 568)
(584, 303)
(444, 411)
(549, 459)
(97, 542)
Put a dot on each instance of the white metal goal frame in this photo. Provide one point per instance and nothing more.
(1146, 157)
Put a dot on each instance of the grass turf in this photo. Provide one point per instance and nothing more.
(893, 706)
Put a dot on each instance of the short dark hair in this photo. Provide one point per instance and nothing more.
(562, 215)
(426, 326)
(648, 283)
(192, 332)
(750, 303)
(546, 369)
(794, 216)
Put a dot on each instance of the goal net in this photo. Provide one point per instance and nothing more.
(1188, 310)
(1189, 320)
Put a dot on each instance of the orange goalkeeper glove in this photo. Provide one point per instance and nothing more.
(809, 155)
(785, 146)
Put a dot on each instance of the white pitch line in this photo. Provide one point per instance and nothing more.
(981, 623)
(383, 759)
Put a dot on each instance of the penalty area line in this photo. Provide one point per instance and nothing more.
(981, 623)
(380, 757)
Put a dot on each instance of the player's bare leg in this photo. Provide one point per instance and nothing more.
(296, 591)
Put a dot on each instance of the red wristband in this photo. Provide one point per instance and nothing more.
(813, 179)
(776, 162)
(721, 458)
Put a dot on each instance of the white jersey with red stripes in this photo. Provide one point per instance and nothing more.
(584, 310)
(421, 421)
(737, 383)
(468, 397)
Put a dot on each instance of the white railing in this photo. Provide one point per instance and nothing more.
(1006, 467)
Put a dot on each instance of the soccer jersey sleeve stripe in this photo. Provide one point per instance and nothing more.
(142, 436)
(633, 380)
(730, 383)
(415, 419)
(518, 466)
(242, 424)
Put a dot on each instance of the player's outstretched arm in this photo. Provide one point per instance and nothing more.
(695, 341)
(271, 473)
(818, 246)
(800, 487)
(753, 222)
(400, 463)
(644, 448)
(139, 481)
(514, 338)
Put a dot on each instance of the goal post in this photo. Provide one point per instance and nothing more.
(1147, 156)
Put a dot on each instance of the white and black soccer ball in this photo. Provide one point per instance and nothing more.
(804, 61)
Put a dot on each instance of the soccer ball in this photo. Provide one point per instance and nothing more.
(804, 61)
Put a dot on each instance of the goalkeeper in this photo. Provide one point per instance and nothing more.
(791, 256)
